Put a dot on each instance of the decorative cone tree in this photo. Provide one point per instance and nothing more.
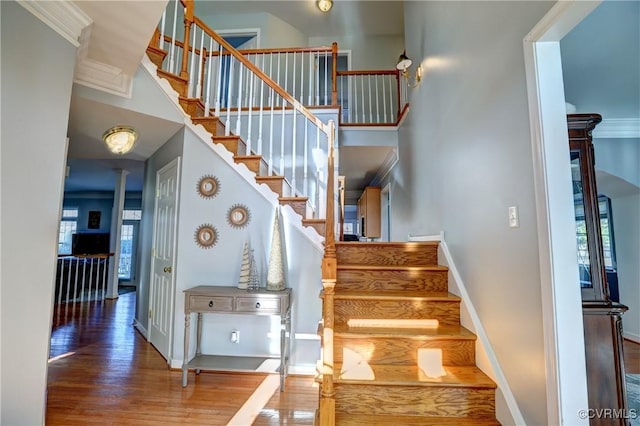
(275, 274)
(245, 268)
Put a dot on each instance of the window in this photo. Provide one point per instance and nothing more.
(606, 228)
(128, 239)
(68, 227)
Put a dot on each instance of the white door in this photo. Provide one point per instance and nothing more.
(162, 289)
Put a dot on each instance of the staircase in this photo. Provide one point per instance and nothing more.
(392, 284)
(234, 143)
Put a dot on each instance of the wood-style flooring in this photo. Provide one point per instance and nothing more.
(103, 372)
(631, 357)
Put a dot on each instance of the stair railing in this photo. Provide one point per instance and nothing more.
(370, 98)
(270, 121)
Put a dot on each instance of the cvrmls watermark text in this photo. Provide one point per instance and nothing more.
(607, 413)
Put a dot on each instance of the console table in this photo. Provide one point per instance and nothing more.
(231, 300)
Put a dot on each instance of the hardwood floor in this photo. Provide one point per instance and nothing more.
(631, 357)
(102, 371)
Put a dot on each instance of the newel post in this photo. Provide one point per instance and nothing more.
(188, 21)
(334, 74)
(329, 276)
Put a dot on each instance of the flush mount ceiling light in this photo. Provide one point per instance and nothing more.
(120, 139)
(324, 5)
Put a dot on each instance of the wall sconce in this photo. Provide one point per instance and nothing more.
(324, 5)
(404, 62)
(120, 139)
(418, 75)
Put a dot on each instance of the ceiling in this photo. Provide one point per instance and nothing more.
(91, 166)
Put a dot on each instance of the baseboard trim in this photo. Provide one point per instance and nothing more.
(631, 336)
(481, 334)
(140, 328)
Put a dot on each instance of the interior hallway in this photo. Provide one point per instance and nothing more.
(102, 371)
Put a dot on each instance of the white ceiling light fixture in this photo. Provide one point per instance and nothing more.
(324, 5)
(120, 139)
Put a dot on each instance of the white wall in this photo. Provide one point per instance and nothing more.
(464, 159)
(619, 159)
(274, 32)
(220, 265)
(37, 75)
(367, 52)
(163, 156)
(626, 223)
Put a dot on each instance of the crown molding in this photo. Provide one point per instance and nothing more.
(390, 160)
(101, 76)
(617, 128)
(64, 17)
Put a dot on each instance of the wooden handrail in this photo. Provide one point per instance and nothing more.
(257, 71)
(369, 72)
(271, 51)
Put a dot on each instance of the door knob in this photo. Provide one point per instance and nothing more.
(167, 269)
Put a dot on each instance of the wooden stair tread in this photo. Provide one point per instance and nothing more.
(314, 220)
(429, 296)
(221, 137)
(351, 419)
(443, 331)
(388, 243)
(265, 178)
(247, 157)
(293, 198)
(437, 268)
(412, 375)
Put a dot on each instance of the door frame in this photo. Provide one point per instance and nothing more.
(177, 163)
(560, 290)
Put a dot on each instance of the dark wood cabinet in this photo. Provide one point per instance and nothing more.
(602, 318)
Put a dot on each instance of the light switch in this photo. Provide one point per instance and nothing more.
(514, 220)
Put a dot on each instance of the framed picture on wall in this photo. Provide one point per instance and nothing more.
(94, 220)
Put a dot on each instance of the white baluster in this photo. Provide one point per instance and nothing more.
(249, 119)
(90, 279)
(75, 281)
(384, 99)
(227, 130)
(286, 74)
(207, 101)
(341, 81)
(61, 280)
(391, 108)
(69, 281)
(294, 75)
(219, 82)
(271, 100)
(162, 22)
(270, 166)
(201, 62)
(311, 69)
(84, 276)
(173, 38)
(261, 111)
(305, 161)
(326, 64)
(282, 139)
(362, 97)
(293, 153)
(377, 101)
(278, 75)
(238, 120)
(370, 99)
(104, 277)
(301, 78)
(192, 77)
(316, 75)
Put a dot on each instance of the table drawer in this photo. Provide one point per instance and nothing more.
(258, 305)
(210, 304)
